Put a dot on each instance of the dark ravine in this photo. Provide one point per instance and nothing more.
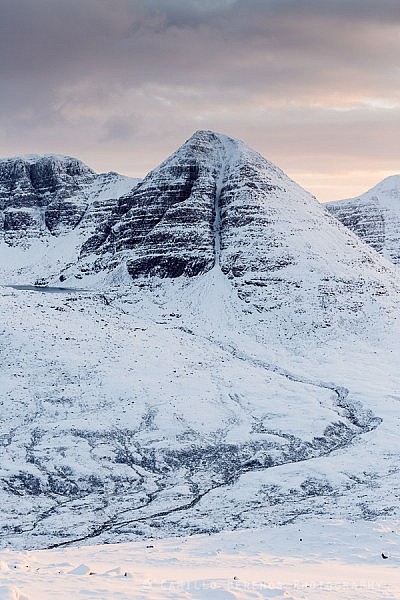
(217, 223)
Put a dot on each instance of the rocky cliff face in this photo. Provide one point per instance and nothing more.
(374, 217)
(164, 227)
(42, 196)
(49, 206)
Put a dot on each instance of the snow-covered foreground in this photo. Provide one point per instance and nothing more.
(153, 413)
(313, 560)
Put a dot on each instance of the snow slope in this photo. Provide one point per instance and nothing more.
(374, 216)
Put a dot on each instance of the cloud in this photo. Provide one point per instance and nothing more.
(118, 128)
(128, 80)
(190, 13)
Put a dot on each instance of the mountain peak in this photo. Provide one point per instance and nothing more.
(216, 205)
(209, 134)
(389, 184)
(176, 221)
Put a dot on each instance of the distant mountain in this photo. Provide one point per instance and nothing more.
(45, 197)
(374, 217)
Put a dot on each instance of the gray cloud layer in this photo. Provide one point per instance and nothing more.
(120, 83)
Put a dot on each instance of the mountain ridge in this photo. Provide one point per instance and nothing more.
(275, 242)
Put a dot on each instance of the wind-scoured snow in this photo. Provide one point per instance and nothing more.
(162, 411)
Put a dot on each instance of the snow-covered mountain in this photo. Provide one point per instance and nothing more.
(243, 371)
(374, 217)
(49, 205)
(217, 204)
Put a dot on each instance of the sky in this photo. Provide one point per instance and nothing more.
(313, 85)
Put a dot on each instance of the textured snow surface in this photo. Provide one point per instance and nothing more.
(374, 217)
(332, 560)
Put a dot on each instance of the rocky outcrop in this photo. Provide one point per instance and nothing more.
(41, 195)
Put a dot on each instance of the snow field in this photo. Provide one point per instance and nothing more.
(308, 560)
